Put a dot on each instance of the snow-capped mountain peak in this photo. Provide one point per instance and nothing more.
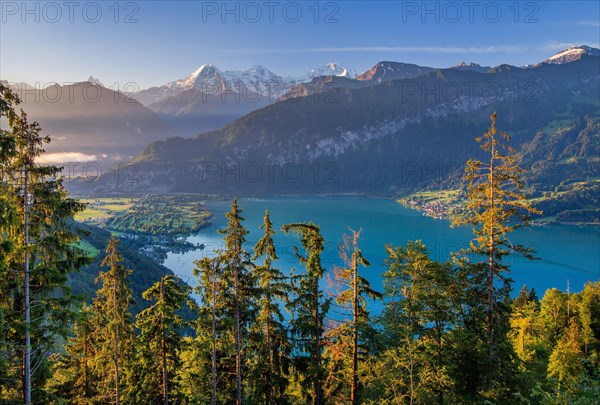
(257, 79)
(207, 76)
(258, 69)
(205, 70)
(571, 54)
(331, 69)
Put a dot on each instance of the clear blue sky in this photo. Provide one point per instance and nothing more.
(154, 42)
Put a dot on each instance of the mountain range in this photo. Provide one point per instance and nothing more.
(209, 98)
(395, 136)
(390, 130)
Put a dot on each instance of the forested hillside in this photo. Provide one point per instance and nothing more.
(145, 270)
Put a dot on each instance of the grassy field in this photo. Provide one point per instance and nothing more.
(100, 209)
(150, 214)
(89, 249)
(163, 215)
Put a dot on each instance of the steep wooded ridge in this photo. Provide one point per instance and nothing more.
(387, 138)
(145, 270)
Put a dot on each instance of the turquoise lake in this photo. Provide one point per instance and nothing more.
(567, 254)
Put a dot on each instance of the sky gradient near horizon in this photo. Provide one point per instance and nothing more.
(154, 42)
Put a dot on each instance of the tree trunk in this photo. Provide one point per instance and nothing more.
(238, 362)
(164, 348)
(116, 332)
(354, 391)
(27, 355)
(214, 336)
(268, 393)
(316, 347)
(491, 260)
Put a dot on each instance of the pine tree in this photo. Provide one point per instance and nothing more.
(113, 325)
(309, 308)
(495, 207)
(160, 342)
(269, 374)
(522, 298)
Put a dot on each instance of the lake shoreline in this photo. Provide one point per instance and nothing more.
(538, 222)
(385, 222)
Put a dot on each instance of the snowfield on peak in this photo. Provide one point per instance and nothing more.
(571, 54)
(257, 80)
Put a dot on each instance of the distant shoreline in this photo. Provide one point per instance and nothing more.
(220, 197)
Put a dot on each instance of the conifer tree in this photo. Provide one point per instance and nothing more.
(210, 322)
(38, 250)
(495, 207)
(269, 374)
(113, 325)
(417, 316)
(160, 342)
(238, 289)
(309, 307)
(72, 378)
(347, 339)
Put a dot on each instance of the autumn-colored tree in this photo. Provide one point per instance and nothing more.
(495, 207)
(346, 341)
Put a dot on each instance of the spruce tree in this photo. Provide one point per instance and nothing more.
(309, 308)
(38, 250)
(113, 325)
(72, 377)
(160, 342)
(211, 343)
(238, 289)
(271, 365)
